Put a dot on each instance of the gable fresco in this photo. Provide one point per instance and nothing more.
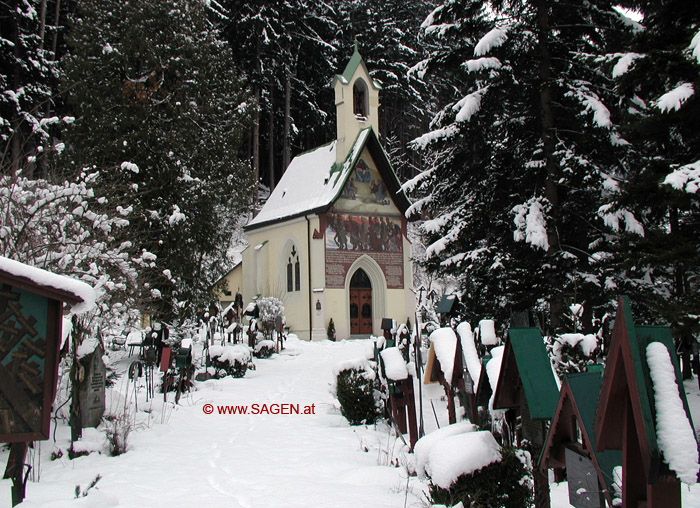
(364, 191)
(364, 220)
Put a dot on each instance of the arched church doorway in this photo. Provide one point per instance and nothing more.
(360, 303)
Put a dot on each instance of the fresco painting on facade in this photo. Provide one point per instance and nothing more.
(363, 233)
(365, 190)
(350, 236)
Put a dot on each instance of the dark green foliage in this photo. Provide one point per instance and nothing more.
(28, 76)
(663, 274)
(331, 330)
(226, 368)
(264, 351)
(522, 140)
(151, 84)
(355, 393)
(504, 484)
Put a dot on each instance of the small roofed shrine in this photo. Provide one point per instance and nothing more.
(570, 444)
(31, 317)
(643, 412)
(526, 384)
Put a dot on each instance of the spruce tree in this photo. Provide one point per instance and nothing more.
(28, 76)
(525, 151)
(658, 78)
(160, 113)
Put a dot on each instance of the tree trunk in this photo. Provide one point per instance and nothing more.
(56, 19)
(271, 143)
(256, 144)
(42, 24)
(551, 191)
(286, 156)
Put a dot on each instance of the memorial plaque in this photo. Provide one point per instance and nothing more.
(92, 391)
(29, 327)
(584, 489)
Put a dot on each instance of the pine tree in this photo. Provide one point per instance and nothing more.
(28, 75)
(658, 78)
(160, 114)
(526, 149)
(283, 46)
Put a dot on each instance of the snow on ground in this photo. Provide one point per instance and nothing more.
(180, 457)
(195, 459)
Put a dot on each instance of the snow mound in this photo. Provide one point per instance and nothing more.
(41, 277)
(425, 444)
(444, 343)
(360, 364)
(673, 429)
(270, 344)
(238, 353)
(493, 371)
(588, 343)
(461, 454)
(487, 332)
(464, 330)
(394, 364)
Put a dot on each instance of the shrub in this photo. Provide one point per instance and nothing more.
(230, 360)
(270, 308)
(503, 484)
(118, 429)
(330, 331)
(264, 349)
(355, 391)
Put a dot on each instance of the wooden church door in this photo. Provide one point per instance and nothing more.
(360, 304)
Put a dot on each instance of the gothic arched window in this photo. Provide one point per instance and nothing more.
(293, 271)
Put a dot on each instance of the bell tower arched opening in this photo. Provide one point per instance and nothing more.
(360, 99)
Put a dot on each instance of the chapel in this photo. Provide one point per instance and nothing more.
(331, 240)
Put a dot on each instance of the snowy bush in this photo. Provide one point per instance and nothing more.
(573, 352)
(70, 229)
(118, 429)
(230, 360)
(270, 309)
(264, 349)
(506, 483)
(355, 389)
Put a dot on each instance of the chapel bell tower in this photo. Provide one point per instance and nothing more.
(356, 102)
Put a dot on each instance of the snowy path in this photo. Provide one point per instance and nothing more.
(246, 461)
(250, 461)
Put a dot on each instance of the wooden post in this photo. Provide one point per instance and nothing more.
(15, 471)
(633, 491)
(411, 407)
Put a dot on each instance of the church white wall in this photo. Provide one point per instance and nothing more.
(265, 270)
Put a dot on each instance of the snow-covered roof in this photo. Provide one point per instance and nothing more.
(74, 292)
(313, 181)
(306, 185)
(444, 342)
(394, 364)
